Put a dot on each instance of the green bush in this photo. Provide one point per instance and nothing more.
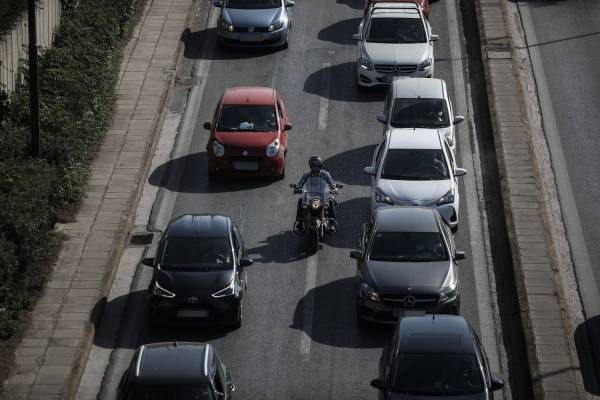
(77, 79)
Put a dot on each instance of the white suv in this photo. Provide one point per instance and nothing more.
(394, 39)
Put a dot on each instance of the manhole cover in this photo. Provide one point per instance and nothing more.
(141, 239)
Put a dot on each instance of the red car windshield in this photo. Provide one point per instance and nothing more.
(247, 118)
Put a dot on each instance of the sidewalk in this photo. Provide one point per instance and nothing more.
(50, 360)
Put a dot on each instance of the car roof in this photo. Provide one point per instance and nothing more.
(417, 138)
(414, 88)
(174, 363)
(406, 219)
(255, 95)
(198, 225)
(432, 333)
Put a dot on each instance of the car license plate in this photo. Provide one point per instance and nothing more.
(190, 313)
(245, 165)
(251, 37)
(403, 312)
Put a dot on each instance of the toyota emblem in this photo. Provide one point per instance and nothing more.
(194, 300)
(251, 29)
(245, 153)
(410, 301)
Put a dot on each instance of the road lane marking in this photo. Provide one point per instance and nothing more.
(324, 103)
(308, 305)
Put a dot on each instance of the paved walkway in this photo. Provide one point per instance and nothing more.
(49, 361)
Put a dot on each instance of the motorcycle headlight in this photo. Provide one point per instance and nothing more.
(368, 292)
(227, 25)
(448, 198)
(218, 149)
(273, 148)
(227, 291)
(425, 65)
(449, 286)
(381, 197)
(276, 26)
(315, 203)
(365, 62)
(160, 291)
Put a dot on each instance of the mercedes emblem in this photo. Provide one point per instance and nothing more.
(245, 153)
(251, 29)
(410, 301)
(194, 300)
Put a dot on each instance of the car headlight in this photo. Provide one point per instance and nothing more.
(228, 291)
(368, 292)
(425, 65)
(365, 62)
(227, 25)
(276, 26)
(381, 197)
(449, 286)
(315, 203)
(160, 291)
(218, 149)
(273, 148)
(448, 198)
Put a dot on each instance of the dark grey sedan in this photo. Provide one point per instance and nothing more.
(264, 23)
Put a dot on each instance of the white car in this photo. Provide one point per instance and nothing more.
(394, 39)
(416, 167)
(420, 103)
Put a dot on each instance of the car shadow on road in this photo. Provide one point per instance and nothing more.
(342, 85)
(334, 321)
(191, 169)
(355, 4)
(358, 159)
(588, 352)
(351, 214)
(341, 32)
(281, 248)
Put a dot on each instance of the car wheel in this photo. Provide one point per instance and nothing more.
(236, 322)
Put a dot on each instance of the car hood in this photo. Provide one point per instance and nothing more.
(386, 53)
(418, 193)
(243, 18)
(476, 396)
(246, 139)
(199, 283)
(421, 277)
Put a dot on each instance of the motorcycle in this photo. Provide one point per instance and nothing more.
(315, 204)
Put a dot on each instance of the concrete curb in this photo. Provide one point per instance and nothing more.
(543, 281)
(127, 226)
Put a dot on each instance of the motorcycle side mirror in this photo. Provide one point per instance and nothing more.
(458, 119)
(246, 262)
(369, 170)
(148, 261)
(381, 118)
(207, 126)
(459, 255)
(356, 254)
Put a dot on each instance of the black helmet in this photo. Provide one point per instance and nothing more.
(315, 162)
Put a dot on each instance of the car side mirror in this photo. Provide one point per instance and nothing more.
(290, 3)
(246, 262)
(458, 119)
(148, 261)
(287, 127)
(460, 172)
(207, 126)
(381, 118)
(357, 37)
(434, 38)
(378, 384)
(497, 384)
(218, 4)
(357, 255)
(369, 170)
(459, 255)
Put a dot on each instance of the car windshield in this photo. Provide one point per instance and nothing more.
(172, 392)
(194, 253)
(241, 118)
(408, 246)
(415, 164)
(437, 375)
(253, 4)
(420, 113)
(396, 30)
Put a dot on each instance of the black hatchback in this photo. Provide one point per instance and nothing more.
(199, 272)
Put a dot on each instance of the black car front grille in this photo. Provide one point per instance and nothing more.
(395, 69)
(400, 300)
(255, 29)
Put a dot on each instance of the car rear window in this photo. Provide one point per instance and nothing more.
(247, 118)
(415, 164)
(420, 113)
(408, 247)
(184, 253)
(396, 30)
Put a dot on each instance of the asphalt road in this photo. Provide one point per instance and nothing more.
(300, 336)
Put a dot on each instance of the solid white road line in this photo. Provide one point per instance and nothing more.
(308, 306)
(324, 103)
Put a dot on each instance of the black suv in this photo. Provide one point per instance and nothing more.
(406, 261)
(185, 371)
(198, 272)
(435, 357)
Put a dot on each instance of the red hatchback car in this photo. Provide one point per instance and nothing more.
(423, 3)
(248, 134)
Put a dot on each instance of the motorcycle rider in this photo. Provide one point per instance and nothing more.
(324, 177)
